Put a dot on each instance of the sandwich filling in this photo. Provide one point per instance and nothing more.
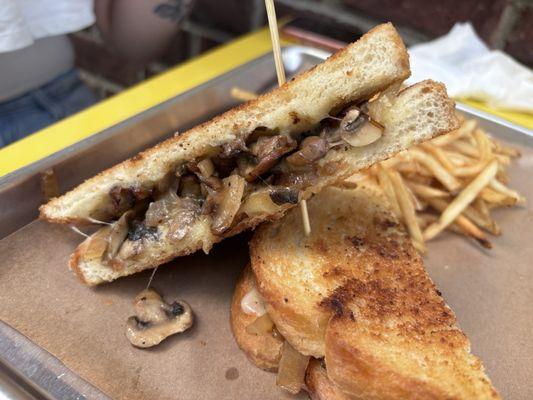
(239, 180)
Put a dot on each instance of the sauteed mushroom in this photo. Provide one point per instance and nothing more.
(155, 320)
(284, 195)
(234, 181)
(312, 148)
(351, 120)
(268, 150)
(358, 129)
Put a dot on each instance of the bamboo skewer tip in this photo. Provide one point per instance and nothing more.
(280, 72)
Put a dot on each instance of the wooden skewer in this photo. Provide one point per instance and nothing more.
(280, 71)
(274, 37)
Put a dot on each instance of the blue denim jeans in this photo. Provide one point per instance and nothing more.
(26, 114)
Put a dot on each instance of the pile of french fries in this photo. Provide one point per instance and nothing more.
(451, 182)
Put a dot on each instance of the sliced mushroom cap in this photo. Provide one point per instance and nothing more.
(233, 148)
(312, 148)
(284, 195)
(122, 199)
(360, 131)
(155, 320)
(367, 133)
(298, 179)
(351, 120)
(139, 230)
(126, 198)
(228, 203)
(212, 182)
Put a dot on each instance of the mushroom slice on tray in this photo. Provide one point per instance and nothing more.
(155, 319)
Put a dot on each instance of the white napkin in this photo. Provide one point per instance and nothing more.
(469, 68)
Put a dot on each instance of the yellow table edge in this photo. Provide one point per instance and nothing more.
(154, 91)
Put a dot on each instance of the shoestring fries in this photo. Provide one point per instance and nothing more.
(450, 183)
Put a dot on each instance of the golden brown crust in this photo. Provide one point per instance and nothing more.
(265, 350)
(74, 262)
(388, 332)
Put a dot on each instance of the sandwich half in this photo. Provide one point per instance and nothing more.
(252, 163)
(355, 294)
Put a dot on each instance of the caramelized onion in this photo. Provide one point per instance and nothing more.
(183, 217)
(258, 203)
(160, 211)
(206, 168)
(117, 236)
(229, 201)
(253, 303)
(129, 249)
(189, 187)
(97, 245)
(263, 325)
(291, 370)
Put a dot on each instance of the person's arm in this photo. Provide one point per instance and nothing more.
(140, 30)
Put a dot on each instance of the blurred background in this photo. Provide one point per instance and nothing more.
(502, 24)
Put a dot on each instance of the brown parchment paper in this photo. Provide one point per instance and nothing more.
(490, 291)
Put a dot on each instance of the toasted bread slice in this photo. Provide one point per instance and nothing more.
(263, 350)
(356, 292)
(410, 116)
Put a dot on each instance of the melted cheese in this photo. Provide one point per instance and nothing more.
(252, 303)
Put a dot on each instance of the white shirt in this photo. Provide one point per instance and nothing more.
(34, 48)
(23, 21)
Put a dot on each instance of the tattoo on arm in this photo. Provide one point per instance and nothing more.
(174, 10)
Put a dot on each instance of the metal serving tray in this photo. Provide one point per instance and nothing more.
(26, 370)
